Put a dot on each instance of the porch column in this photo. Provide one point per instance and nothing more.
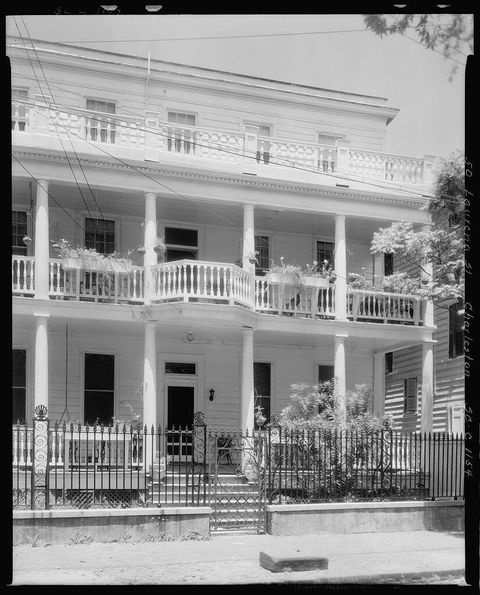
(42, 244)
(150, 377)
(41, 360)
(340, 373)
(427, 273)
(150, 237)
(378, 384)
(340, 268)
(247, 397)
(249, 245)
(427, 386)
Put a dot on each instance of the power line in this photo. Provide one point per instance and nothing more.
(219, 147)
(212, 37)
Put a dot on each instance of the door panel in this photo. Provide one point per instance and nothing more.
(180, 405)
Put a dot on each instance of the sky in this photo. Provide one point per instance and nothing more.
(343, 56)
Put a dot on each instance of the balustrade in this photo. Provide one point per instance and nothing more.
(386, 307)
(23, 275)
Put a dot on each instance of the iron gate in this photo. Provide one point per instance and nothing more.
(237, 481)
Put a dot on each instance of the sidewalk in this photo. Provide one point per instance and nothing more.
(233, 559)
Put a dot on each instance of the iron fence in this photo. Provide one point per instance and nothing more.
(318, 466)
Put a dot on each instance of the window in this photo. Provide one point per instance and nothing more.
(100, 235)
(262, 246)
(100, 126)
(388, 264)
(456, 419)
(180, 138)
(389, 362)
(325, 373)
(19, 109)
(180, 368)
(326, 155)
(410, 395)
(263, 145)
(456, 329)
(19, 231)
(325, 252)
(19, 385)
(99, 388)
(262, 388)
(181, 243)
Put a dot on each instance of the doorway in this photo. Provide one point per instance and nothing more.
(180, 409)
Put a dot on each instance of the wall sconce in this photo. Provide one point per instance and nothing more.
(212, 394)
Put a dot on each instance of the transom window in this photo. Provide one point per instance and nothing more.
(100, 126)
(325, 252)
(19, 231)
(181, 243)
(19, 385)
(410, 395)
(262, 389)
(99, 388)
(100, 235)
(19, 109)
(456, 329)
(180, 368)
(262, 246)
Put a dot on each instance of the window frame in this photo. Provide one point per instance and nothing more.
(27, 383)
(99, 218)
(388, 256)
(315, 250)
(181, 246)
(103, 126)
(453, 332)
(261, 271)
(391, 370)
(255, 396)
(406, 410)
(21, 119)
(94, 351)
(22, 247)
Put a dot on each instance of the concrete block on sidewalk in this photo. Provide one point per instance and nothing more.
(292, 562)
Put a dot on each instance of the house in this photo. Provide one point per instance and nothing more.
(232, 171)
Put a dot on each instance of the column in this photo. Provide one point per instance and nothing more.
(249, 245)
(150, 238)
(378, 384)
(340, 373)
(150, 395)
(427, 386)
(247, 396)
(427, 274)
(42, 244)
(340, 268)
(41, 360)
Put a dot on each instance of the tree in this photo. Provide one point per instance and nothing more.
(443, 246)
(449, 34)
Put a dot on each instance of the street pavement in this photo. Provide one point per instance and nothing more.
(233, 558)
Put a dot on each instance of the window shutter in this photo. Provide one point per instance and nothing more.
(410, 402)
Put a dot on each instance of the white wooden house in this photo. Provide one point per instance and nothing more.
(220, 165)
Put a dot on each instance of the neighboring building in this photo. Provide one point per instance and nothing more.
(219, 165)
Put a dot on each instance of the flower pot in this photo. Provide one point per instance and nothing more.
(120, 265)
(315, 281)
(71, 263)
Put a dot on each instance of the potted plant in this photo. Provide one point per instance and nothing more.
(159, 247)
(315, 276)
(284, 274)
(252, 257)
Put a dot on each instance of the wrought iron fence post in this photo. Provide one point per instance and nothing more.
(40, 459)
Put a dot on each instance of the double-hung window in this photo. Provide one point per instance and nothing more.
(325, 252)
(100, 235)
(181, 243)
(262, 247)
(19, 386)
(262, 389)
(327, 152)
(19, 231)
(99, 388)
(19, 109)
(181, 137)
(456, 329)
(100, 124)
(410, 395)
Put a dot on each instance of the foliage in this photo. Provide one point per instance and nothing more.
(259, 417)
(325, 271)
(88, 257)
(452, 34)
(443, 246)
(395, 283)
(290, 273)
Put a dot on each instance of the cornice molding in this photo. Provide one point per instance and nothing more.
(233, 180)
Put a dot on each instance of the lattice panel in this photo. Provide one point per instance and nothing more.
(105, 499)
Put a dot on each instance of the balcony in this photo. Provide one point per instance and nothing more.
(216, 283)
(149, 138)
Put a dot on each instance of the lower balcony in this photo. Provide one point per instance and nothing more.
(216, 283)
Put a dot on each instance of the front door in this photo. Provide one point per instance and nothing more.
(180, 405)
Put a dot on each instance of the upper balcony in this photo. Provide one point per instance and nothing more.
(216, 283)
(41, 125)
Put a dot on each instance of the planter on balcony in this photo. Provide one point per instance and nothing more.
(71, 263)
(316, 282)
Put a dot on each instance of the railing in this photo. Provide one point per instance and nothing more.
(225, 145)
(387, 307)
(23, 275)
(196, 280)
(320, 465)
(289, 300)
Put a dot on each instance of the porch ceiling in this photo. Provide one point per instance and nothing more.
(173, 207)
